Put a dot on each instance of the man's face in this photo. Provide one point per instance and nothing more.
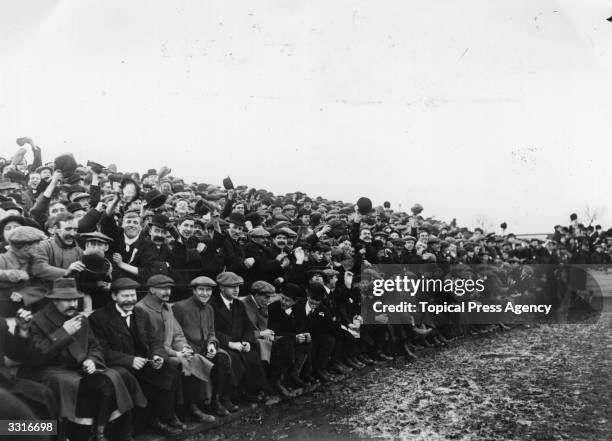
(158, 235)
(203, 293)
(365, 236)
(79, 214)
(67, 308)
(131, 227)
(45, 174)
(230, 292)
(317, 256)
(96, 247)
(307, 206)
(264, 300)
(290, 213)
(280, 241)
(182, 208)
(107, 188)
(424, 236)
(286, 302)
(317, 278)
(9, 226)
(276, 211)
(409, 245)
(261, 241)
(185, 229)
(125, 299)
(234, 231)
(314, 304)
(33, 180)
(239, 208)
(394, 235)
(305, 219)
(333, 280)
(162, 293)
(56, 208)
(66, 231)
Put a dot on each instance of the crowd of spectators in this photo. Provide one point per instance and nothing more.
(139, 300)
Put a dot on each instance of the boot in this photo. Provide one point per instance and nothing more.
(98, 434)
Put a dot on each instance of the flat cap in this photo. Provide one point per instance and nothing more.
(259, 232)
(202, 281)
(292, 290)
(25, 235)
(262, 287)
(159, 281)
(124, 283)
(229, 279)
(96, 236)
(412, 238)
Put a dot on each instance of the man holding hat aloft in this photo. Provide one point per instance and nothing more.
(67, 357)
(95, 278)
(115, 328)
(236, 335)
(197, 319)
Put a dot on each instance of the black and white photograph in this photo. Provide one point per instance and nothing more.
(288, 220)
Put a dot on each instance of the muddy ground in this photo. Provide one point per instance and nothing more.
(553, 382)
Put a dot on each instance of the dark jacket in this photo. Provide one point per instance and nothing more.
(198, 323)
(231, 325)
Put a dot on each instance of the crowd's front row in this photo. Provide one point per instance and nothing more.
(142, 362)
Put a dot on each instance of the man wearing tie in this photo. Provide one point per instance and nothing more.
(133, 255)
(236, 335)
(114, 326)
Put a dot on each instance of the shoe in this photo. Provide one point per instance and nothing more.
(165, 428)
(365, 358)
(296, 381)
(219, 410)
(175, 422)
(200, 417)
(384, 356)
(333, 369)
(410, 356)
(282, 390)
(323, 376)
(354, 364)
(228, 405)
(345, 365)
(359, 364)
(311, 380)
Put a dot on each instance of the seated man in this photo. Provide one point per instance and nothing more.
(282, 320)
(235, 333)
(37, 397)
(278, 352)
(197, 319)
(67, 357)
(315, 318)
(158, 320)
(115, 327)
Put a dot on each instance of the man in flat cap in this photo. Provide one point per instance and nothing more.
(158, 319)
(267, 266)
(197, 320)
(234, 257)
(67, 357)
(95, 278)
(186, 258)
(14, 266)
(115, 328)
(276, 352)
(236, 335)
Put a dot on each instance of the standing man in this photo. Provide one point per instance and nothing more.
(67, 358)
(236, 335)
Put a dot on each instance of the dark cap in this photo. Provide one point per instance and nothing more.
(229, 279)
(96, 236)
(159, 281)
(64, 288)
(292, 290)
(124, 283)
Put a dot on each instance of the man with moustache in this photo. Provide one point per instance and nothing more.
(60, 253)
(197, 319)
(67, 358)
(95, 279)
(268, 266)
(158, 233)
(115, 327)
(158, 319)
(133, 255)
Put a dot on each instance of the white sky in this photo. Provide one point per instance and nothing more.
(492, 107)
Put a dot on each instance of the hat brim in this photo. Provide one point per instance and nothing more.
(157, 201)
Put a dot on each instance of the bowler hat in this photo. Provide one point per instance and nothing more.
(316, 291)
(95, 263)
(159, 220)
(292, 290)
(364, 205)
(228, 184)
(236, 219)
(64, 288)
(66, 164)
(155, 199)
